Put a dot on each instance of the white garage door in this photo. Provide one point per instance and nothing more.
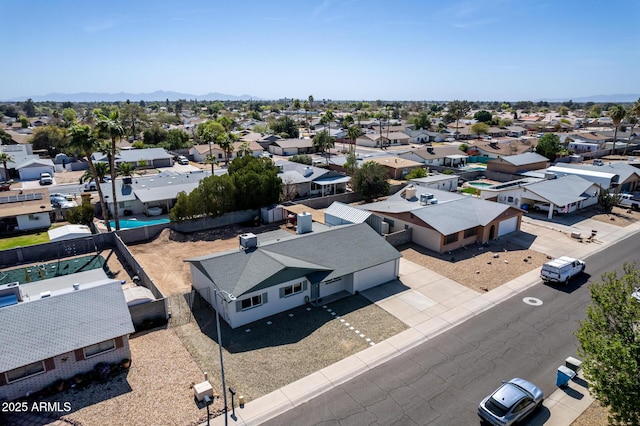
(507, 225)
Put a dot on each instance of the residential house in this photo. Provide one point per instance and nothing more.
(287, 147)
(379, 140)
(343, 214)
(397, 167)
(20, 154)
(24, 210)
(514, 164)
(570, 193)
(136, 195)
(301, 180)
(628, 175)
(31, 169)
(442, 182)
(148, 157)
(270, 275)
(52, 331)
(200, 152)
(605, 178)
(261, 138)
(500, 148)
(444, 221)
(437, 155)
(516, 131)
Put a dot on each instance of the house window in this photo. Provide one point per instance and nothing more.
(292, 289)
(510, 200)
(99, 348)
(26, 371)
(470, 232)
(33, 217)
(219, 156)
(251, 302)
(124, 204)
(451, 238)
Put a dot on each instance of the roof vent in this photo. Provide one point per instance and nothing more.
(308, 171)
(45, 294)
(76, 286)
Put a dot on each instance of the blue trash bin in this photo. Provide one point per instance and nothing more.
(563, 376)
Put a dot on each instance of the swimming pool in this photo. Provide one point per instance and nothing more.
(480, 184)
(133, 223)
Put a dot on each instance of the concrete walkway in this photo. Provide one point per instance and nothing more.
(433, 304)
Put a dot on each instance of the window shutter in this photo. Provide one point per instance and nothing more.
(238, 306)
(49, 364)
(119, 342)
(79, 353)
(264, 298)
(281, 292)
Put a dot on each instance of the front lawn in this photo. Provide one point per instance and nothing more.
(24, 240)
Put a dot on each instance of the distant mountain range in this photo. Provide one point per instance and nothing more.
(158, 95)
(628, 97)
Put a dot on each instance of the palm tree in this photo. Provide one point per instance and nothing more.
(617, 114)
(101, 170)
(632, 116)
(352, 133)
(211, 159)
(327, 118)
(4, 159)
(112, 126)
(125, 169)
(458, 109)
(296, 106)
(82, 139)
(244, 149)
(322, 141)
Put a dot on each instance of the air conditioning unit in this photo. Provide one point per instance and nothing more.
(384, 228)
(248, 240)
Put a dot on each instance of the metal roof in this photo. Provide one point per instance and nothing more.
(37, 330)
(317, 256)
(564, 190)
(347, 213)
(524, 159)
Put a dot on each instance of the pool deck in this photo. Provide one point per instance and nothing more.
(140, 218)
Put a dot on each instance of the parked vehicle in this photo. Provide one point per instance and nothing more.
(5, 186)
(91, 186)
(629, 200)
(183, 160)
(561, 270)
(46, 178)
(511, 402)
(544, 207)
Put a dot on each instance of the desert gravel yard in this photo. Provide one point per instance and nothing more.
(269, 354)
(154, 391)
(479, 267)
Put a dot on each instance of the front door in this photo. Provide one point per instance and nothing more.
(315, 291)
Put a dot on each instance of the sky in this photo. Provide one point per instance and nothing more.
(330, 49)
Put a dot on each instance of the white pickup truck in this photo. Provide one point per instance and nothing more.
(561, 270)
(628, 200)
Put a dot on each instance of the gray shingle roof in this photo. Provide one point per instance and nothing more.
(37, 330)
(524, 159)
(318, 255)
(461, 214)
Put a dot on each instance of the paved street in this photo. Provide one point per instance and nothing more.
(442, 380)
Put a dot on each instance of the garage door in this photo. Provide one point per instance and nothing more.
(507, 225)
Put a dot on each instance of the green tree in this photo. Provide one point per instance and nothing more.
(549, 146)
(111, 126)
(177, 139)
(353, 133)
(301, 158)
(563, 110)
(595, 111)
(480, 128)
(29, 108)
(256, 181)
(244, 149)
(69, 116)
(125, 169)
(51, 138)
(416, 174)
(132, 115)
(5, 138)
(610, 344)
(617, 114)
(322, 141)
(458, 109)
(82, 214)
(24, 121)
(351, 164)
(370, 180)
(421, 121)
(83, 141)
(285, 127)
(608, 200)
(4, 159)
(101, 171)
(154, 135)
(483, 116)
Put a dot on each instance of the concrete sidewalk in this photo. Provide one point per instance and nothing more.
(430, 313)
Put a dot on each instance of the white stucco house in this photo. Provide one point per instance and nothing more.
(269, 275)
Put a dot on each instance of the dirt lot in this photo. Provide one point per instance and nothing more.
(163, 258)
(619, 216)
